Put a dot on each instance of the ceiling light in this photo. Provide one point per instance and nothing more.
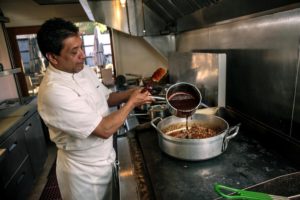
(123, 3)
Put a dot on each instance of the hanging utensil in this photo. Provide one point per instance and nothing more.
(246, 195)
(134, 75)
(155, 78)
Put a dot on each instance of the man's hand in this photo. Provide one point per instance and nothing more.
(138, 97)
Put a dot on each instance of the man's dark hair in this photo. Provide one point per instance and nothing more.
(52, 33)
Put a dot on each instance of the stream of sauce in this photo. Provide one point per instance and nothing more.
(184, 102)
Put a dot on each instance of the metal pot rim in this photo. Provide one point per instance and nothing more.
(185, 140)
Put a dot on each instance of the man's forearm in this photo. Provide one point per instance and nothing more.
(111, 123)
(116, 98)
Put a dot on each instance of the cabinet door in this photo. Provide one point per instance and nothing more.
(14, 154)
(21, 183)
(35, 142)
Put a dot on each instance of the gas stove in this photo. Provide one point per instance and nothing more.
(152, 174)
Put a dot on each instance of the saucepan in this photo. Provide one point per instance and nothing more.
(182, 99)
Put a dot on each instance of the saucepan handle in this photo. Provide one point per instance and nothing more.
(155, 121)
(159, 98)
(204, 105)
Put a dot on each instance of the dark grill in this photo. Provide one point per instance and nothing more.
(171, 10)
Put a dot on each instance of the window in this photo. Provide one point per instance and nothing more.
(91, 51)
(34, 64)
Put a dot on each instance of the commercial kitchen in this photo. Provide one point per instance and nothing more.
(242, 56)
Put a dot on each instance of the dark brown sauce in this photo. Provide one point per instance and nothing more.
(187, 126)
(183, 101)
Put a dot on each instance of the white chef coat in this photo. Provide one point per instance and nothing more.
(72, 105)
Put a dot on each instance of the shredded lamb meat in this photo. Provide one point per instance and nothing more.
(195, 131)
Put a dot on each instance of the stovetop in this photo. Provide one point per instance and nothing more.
(245, 163)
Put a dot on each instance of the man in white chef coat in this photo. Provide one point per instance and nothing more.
(75, 107)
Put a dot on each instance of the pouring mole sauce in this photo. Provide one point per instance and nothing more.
(183, 100)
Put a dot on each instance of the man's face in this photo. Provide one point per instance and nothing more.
(71, 58)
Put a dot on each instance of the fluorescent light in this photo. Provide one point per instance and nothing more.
(123, 3)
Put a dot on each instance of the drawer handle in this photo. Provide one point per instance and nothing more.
(12, 147)
(25, 113)
(28, 127)
(2, 153)
(21, 178)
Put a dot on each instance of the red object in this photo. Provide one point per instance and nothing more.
(155, 78)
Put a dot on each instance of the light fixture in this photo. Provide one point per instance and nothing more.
(123, 3)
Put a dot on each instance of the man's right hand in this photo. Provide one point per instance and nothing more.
(139, 97)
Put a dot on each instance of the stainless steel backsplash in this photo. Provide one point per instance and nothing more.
(205, 70)
(262, 66)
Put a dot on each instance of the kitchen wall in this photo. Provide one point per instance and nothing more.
(134, 55)
(262, 67)
(8, 87)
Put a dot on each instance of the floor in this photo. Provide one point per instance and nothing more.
(42, 180)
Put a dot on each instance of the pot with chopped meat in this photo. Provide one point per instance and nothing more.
(204, 137)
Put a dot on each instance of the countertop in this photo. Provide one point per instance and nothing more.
(245, 163)
(11, 118)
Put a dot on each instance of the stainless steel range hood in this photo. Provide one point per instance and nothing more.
(135, 19)
(153, 17)
(158, 21)
(162, 17)
(154, 20)
(142, 18)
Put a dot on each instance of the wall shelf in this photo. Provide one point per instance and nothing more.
(9, 71)
(4, 19)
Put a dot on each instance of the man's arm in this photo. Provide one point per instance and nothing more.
(116, 98)
(111, 123)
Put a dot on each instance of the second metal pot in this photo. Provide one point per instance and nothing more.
(154, 112)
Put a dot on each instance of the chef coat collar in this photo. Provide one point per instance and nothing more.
(65, 74)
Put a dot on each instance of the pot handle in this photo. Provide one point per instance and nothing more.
(232, 132)
(235, 130)
(153, 122)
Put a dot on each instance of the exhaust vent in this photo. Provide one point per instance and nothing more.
(171, 10)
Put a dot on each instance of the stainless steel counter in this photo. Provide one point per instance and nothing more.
(155, 175)
(127, 183)
(128, 188)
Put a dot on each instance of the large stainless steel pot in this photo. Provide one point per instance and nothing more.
(195, 149)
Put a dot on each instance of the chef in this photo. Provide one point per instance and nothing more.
(75, 107)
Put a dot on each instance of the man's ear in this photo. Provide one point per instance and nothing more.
(52, 58)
